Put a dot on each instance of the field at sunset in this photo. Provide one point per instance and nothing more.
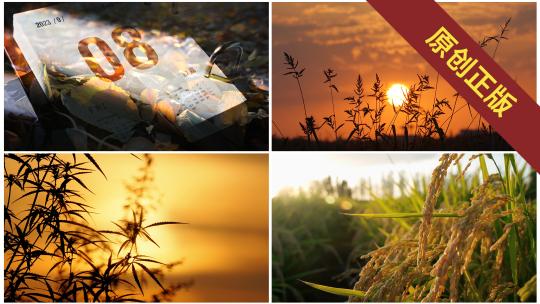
(343, 78)
(120, 227)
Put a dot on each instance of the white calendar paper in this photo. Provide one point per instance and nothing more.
(115, 76)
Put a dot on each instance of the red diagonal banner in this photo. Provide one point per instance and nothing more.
(469, 69)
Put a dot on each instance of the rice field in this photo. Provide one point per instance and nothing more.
(467, 233)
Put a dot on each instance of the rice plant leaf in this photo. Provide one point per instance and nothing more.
(527, 290)
(512, 160)
(136, 278)
(483, 167)
(337, 291)
(400, 215)
(513, 252)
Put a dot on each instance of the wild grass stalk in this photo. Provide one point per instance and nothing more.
(331, 120)
(498, 38)
(379, 95)
(354, 114)
(411, 106)
(297, 73)
(449, 120)
(278, 129)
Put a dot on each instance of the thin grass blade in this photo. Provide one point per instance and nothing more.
(337, 291)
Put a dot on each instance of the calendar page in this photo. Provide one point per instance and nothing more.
(116, 77)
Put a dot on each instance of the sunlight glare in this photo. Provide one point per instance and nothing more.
(397, 94)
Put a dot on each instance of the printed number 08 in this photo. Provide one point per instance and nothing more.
(129, 53)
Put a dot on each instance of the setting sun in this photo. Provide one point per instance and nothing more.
(397, 94)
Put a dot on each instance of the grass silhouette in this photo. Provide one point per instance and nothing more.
(331, 120)
(49, 225)
(423, 128)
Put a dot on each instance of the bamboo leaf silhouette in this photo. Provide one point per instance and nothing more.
(143, 232)
(125, 298)
(60, 224)
(15, 158)
(111, 232)
(51, 292)
(165, 223)
(136, 278)
(151, 261)
(151, 274)
(93, 161)
(80, 182)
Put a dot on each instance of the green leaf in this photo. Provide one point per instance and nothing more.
(527, 290)
(337, 291)
(512, 160)
(513, 253)
(400, 215)
(483, 167)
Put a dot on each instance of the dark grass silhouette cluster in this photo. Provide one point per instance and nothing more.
(53, 252)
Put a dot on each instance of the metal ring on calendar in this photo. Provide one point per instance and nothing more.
(220, 50)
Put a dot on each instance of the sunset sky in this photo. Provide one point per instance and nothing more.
(224, 200)
(353, 38)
